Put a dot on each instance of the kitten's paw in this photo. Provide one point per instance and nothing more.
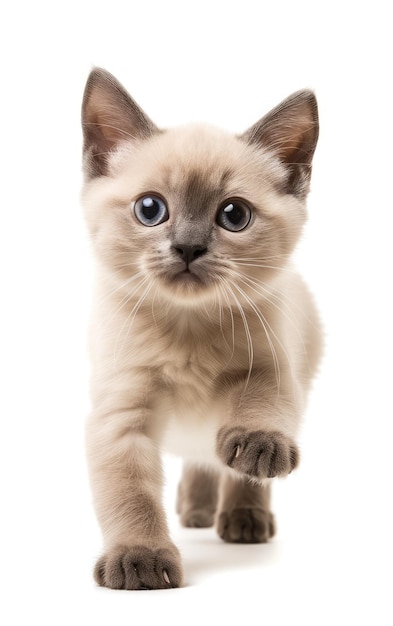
(139, 567)
(246, 526)
(198, 518)
(258, 453)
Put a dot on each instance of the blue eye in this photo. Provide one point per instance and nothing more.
(151, 210)
(234, 215)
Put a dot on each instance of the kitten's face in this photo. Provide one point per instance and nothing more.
(187, 213)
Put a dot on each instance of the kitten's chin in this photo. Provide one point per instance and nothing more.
(186, 288)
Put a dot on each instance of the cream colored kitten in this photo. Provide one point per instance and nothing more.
(204, 341)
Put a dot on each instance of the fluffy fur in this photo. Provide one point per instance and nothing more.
(204, 341)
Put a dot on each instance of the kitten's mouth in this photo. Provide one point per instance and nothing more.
(187, 285)
(188, 276)
(186, 279)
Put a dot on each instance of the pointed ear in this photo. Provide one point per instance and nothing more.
(291, 132)
(109, 116)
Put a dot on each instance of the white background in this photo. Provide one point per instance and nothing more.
(226, 63)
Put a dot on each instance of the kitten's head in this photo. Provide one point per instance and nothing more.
(192, 211)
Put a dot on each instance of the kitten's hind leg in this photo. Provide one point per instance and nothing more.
(244, 511)
(197, 496)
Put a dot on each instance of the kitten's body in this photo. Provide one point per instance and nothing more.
(204, 341)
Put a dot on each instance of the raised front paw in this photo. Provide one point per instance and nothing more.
(139, 567)
(258, 453)
(246, 525)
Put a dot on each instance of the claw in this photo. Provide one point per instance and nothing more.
(237, 451)
(166, 577)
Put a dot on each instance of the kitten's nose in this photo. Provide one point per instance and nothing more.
(189, 253)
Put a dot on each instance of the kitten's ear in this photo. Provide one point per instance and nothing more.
(291, 132)
(109, 116)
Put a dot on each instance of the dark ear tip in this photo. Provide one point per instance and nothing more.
(94, 77)
(98, 76)
(306, 94)
(303, 97)
(98, 73)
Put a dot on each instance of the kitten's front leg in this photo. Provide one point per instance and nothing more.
(258, 437)
(125, 471)
(257, 453)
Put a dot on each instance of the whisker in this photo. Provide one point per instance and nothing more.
(128, 264)
(265, 259)
(252, 284)
(222, 291)
(285, 352)
(131, 316)
(265, 324)
(264, 266)
(250, 347)
(152, 307)
(285, 299)
(119, 305)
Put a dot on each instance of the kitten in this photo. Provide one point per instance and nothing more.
(204, 341)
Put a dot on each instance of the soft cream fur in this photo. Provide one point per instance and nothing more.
(174, 361)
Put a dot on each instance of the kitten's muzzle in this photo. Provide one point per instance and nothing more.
(188, 253)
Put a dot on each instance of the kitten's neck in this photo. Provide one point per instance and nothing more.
(193, 322)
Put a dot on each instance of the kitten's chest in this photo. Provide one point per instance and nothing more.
(188, 406)
(194, 370)
(189, 417)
